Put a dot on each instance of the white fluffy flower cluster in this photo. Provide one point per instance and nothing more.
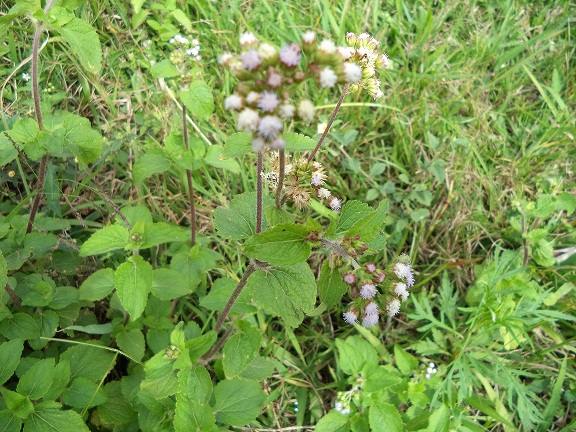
(366, 56)
(184, 45)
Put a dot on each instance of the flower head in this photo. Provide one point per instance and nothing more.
(327, 77)
(349, 278)
(286, 110)
(306, 110)
(234, 102)
(367, 290)
(371, 308)
(323, 193)
(393, 307)
(290, 55)
(269, 127)
(335, 203)
(350, 317)
(352, 72)
(401, 291)
(309, 37)
(403, 270)
(248, 40)
(251, 60)
(247, 120)
(268, 102)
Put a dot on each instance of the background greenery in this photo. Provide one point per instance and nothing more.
(472, 143)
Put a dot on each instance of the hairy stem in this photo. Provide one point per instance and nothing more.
(189, 178)
(336, 248)
(218, 346)
(259, 194)
(281, 172)
(321, 140)
(234, 296)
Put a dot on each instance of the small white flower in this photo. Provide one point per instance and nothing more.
(327, 46)
(350, 317)
(349, 278)
(335, 204)
(327, 78)
(274, 80)
(286, 110)
(393, 307)
(371, 309)
(427, 376)
(309, 37)
(247, 120)
(404, 271)
(321, 127)
(370, 267)
(369, 320)
(306, 110)
(253, 98)
(233, 102)
(225, 59)
(251, 60)
(269, 127)
(268, 102)
(401, 291)
(290, 55)
(316, 180)
(352, 72)
(367, 290)
(346, 52)
(248, 40)
(25, 76)
(267, 51)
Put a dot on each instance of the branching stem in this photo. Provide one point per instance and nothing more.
(234, 296)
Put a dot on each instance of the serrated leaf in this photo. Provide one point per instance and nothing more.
(288, 292)
(214, 157)
(354, 354)
(7, 151)
(296, 141)
(198, 99)
(89, 362)
(182, 18)
(237, 145)
(149, 164)
(331, 287)
(385, 417)
(333, 422)
(53, 419)
(84, 42)
(93, 328)
(117, 409)
(20, 326)
(260, 368)
(19, 404)
(9, 421)
(36, 382)
(370, 226)
(282, 245)
(133, 280)
(239, 220)
(83, 393)
(352, 212)
(3, 272)
(196, 383)
(98, 285)
(70, 134)
(191, 415)
(168, 284)
(10, 353)
(406, 362)
(238, 402)
(239, 352)
(108, 239)
(164, 69)
(219, 294)
(380, 378)
(132, 343)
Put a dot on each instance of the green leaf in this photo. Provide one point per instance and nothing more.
(83, 393)
(200, 345)
(371, 225)
(239, 352)
(25, 133)
(352, 212)
(69, 133)
(238, 402)
(17, 403)
(288, 292)
(333, 422)
(10, 422)
(93, 328)
(239, 221)
(191, 415)
(552, 297)
(3, 271)
(331, 287)
(259, 369)
(107, 239)
(20, 326)
(219, 294)
(160, 388)
(420, 214)
(37, 380)
(214, 157)
(183, 19)
(296, 141)
(168, 284)
(116, 410)
(380, 378)
(564, 201)
(282, 245)
(84, 42)
(440, 420)
(405, 361)
(554, 405)
(10, 353)
(132, 343)
(196, 383)
(385, 417)
(543, 253)
(164, 69)
(236, 145)
(53, 419)
(189, 268)
(7, 151)
(163, 232)
(149, 164)
(89, 362)
(198, 99)
(276, 216)
(98, 285)
(133, 280)
(355, 354)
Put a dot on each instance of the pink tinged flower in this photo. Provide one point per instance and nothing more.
(369, 320)
(371, 309)
(316, 180)
(251, 60)
(233, 102)
(248, 40)
(269, 127)
(351, 38)
(382, 61)
(404, 271)
(327, 78)
(367, 290)
(352, 72)
(268, 102)
(335, 204)
(327, 47)
(306, 110)
(247, 120)
(370, 267)
(225, 59)
(290, 55)
(258, 144)
(286, 110)
(278, 144)
(393, 307)
(323, 193)
(349, 278)
(309, 37)
(401, 291)
(350, 317)
(274, 79)
(253, 98)
(379, 277)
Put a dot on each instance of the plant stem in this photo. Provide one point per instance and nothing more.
(336, 109)
(36, 96)
(219, 344)
(281, 172)
(234, 296)
(259, 194)
(335, 247)
(189, 178)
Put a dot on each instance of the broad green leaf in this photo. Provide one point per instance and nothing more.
(83, 393)
(98, 285)
(553, 297)
(37, 380)
(39, 294)
(333, 422)
(440, 420)
(190, 415)
(331, 287)
(296, 141)
(420, 214)
(564, 201)
(370, 226)
(214, 158)
(196, 383)
(149, 164)
(189, 268)
(93, 328)
(543, 253)
(7, 151)
(288, 292)
(198, 99)
(84, 42)
(200, 345)
(117, 409)
(89, 362)
(352, 212)
(355, 354)
(40, 243)
(133, 280)
(136, 214)
(19, 404)
(239, 220)
(282, 245)
(238, 402)
(10, 353)
(53, 419)
(385, 417)
(406, 362)
(160, 388)
(25, 134)
(168, 284)
(236, 145)
(163, 232)
(379, 378)
(276, 216)
(219, 294)
(164, 69)
(63, 297)
(132, 343)
(260, 368)
(60, 381)
(20, 326)
(3, 271)
(9, 422)
(107, 239)
(183, 19)
(239, 352)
